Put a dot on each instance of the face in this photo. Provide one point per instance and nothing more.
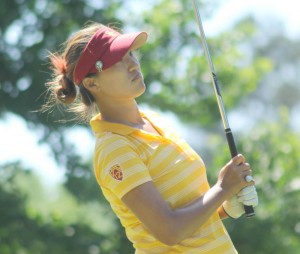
(123, 80)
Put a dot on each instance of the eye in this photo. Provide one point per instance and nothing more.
(135, 54)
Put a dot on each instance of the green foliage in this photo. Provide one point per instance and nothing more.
(30, 29)
(178, 77)
(36, 220)
(75, 218)
(272, 150)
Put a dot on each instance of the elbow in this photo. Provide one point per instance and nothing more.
(167, 240)
(170, 242)
(169, 235)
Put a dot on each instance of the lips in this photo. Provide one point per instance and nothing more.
(138, 75)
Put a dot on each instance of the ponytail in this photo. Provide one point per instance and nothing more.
(61, 88)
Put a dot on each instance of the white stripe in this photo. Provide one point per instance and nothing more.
(163, 155)
(128, 172)
(185, 192)
(210, 246)
(173, 181)
(204, 232)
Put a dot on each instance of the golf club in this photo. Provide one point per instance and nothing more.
(249, 211)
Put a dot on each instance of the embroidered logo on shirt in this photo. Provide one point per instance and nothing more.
(116, 172)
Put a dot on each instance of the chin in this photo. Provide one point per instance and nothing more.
(141, 90)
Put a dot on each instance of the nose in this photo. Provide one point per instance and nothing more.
(133, 66)
(132, 63)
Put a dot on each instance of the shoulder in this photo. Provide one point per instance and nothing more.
(112, 140)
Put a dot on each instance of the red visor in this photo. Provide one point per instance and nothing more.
(106, 47)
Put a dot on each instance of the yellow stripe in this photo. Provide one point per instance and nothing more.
(177, 172)
(200, 237)
(188, 192)
(161, 162)
(173, 181)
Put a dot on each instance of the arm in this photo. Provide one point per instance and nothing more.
(172, 226)
(167, 225)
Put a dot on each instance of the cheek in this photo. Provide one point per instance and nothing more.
(106, 78)
(116, 73)
(116, 82)
(111, 84)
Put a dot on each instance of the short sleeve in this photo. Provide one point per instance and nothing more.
(118, 166)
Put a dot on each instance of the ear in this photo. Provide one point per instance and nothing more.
(90, 84)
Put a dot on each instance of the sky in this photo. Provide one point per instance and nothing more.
(286, 11)
(19, 143)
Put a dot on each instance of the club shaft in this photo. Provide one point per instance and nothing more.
(249, 211)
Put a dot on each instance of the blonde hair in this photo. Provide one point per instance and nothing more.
(61, 89)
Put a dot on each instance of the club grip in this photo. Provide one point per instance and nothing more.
(231, 143)
(249, 211)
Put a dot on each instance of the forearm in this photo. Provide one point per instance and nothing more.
(172, 226)
(188, 219)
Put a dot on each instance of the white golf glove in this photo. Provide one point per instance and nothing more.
(234, 206)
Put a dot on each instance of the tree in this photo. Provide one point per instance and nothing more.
(272, 149)
(33, 220)
(177, 77)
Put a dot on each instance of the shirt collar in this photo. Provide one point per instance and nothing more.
(99, 125)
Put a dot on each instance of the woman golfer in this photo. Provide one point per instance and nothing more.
(154, 181)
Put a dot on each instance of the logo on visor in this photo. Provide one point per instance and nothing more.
(116, 172)
(111, 33)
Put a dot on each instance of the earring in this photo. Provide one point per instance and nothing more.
(99, 65)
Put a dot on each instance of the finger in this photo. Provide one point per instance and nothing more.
(239, 159)
(249, 178)
(253, 202)
(247, 166)
(248, 199)
(250, 202)
(247, 190)
(250, 196)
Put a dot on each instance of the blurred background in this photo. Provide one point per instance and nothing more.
(49, 199)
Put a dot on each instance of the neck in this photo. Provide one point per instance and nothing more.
(122, 112)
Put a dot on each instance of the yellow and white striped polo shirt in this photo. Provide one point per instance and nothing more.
(126, 157)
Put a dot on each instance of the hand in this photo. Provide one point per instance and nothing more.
(248, 196)
(232, 176)
(234, 205)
